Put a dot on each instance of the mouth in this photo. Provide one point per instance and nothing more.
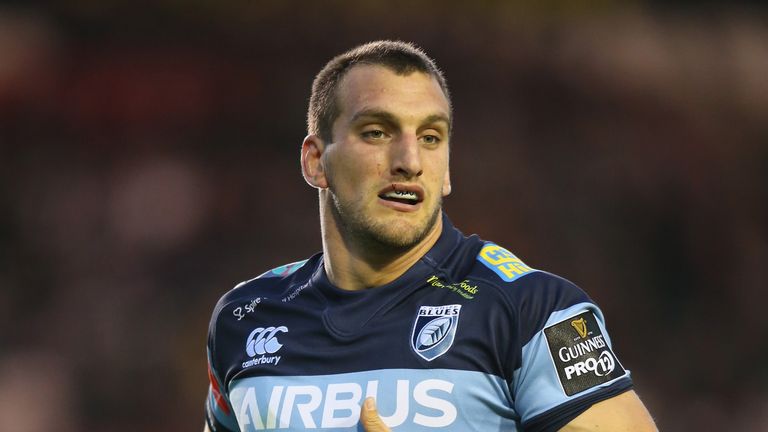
(402, 194)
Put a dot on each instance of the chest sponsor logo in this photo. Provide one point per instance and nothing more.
(434, 330)
(290, 297)
(247, 308)
(463, 288)
(581, 356)
(263, 341)
(425, 403)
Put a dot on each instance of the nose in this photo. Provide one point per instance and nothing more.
(405, 154)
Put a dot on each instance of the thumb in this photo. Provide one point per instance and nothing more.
(369, 417)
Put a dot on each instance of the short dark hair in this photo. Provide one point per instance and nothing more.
(403, 58)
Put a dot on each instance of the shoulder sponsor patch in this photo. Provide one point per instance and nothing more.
(503, 262)
(581, 354)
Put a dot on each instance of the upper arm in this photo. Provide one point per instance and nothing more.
(219, 414)
(622, 413)
(563, 372)
(566, 364)
(218, 410)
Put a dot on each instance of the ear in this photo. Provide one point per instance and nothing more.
(447, 183)
(312, 162)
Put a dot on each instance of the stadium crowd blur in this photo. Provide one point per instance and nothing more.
(149, 161)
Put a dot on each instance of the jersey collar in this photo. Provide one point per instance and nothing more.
(349, 311)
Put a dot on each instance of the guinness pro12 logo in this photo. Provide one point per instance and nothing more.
(581, 354)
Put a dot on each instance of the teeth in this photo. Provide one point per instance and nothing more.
(402, 195)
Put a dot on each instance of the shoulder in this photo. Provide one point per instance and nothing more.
(534, 295)
(521, 282)
(271, 283)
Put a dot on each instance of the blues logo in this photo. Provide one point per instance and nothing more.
(434, 330)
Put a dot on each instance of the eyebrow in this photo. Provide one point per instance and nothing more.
(388, 117)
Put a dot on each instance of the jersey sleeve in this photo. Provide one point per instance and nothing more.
(218, 410)
(567, 366)
(563, 361)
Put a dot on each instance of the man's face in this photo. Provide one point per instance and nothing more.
(387, 168)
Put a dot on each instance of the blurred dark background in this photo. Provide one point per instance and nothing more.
(149, 161)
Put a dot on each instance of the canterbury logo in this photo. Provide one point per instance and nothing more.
(580, 325)
(264, 341)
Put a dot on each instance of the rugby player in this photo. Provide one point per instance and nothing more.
(402, 322)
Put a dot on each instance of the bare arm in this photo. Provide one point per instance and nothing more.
(622, 413)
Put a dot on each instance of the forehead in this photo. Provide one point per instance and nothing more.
(415, 95)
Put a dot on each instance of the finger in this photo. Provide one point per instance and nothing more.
(370, 419)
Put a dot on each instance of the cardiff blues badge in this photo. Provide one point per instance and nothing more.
(434, 330)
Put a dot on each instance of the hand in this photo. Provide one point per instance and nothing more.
(370, 419)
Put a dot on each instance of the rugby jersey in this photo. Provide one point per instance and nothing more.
(468, 339)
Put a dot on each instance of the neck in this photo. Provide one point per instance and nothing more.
(353, 266)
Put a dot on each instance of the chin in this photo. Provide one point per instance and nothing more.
(401, 233)
(383, 230)
(399, 237)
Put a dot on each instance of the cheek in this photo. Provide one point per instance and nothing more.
(439, 167)
(365, 166)
(355, 174)
(356, 168)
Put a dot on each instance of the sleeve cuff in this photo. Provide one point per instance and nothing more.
(554, 419)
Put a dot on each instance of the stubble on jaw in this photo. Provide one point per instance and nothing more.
(378, 236)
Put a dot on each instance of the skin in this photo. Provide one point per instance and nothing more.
(394, 130)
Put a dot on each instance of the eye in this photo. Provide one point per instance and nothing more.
(431, 139)
(374, 134)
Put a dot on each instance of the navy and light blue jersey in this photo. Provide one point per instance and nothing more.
(468, 339)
